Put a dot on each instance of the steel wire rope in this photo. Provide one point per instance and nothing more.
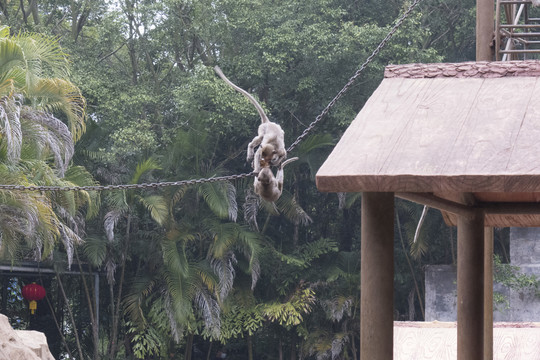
(319, 117)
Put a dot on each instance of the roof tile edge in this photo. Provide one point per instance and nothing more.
(471, 69)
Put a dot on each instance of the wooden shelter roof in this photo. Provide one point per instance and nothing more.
(466, 133)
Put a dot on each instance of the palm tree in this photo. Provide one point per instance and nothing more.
(203, 250)
(126, 210)
(37, 146)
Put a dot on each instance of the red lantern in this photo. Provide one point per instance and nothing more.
(33, 293)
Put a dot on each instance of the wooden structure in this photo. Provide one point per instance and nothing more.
(518, 30)
(463, 138)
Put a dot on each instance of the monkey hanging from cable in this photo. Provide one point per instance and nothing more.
(266, 185)
(270, 136)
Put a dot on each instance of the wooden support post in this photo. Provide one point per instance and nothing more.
(470, 288)
(484, 30)
(377, 277)
(488, 293)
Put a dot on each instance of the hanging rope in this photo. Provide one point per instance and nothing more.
(305, 133)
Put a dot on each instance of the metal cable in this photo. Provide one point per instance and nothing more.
(124, 186)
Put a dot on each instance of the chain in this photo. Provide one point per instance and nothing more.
(356, 75)
(229, 177)
(125, 186)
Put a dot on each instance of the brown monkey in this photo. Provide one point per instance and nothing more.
(270, 136)
(266, 185)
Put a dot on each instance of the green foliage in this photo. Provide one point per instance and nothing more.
(239, 320)
(511, 277)
(306, 254)
(146, 342)
(290, 313)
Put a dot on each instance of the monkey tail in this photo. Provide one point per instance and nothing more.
(264, 118)
(288, 161)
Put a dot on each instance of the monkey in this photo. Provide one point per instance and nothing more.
(270, 136)
(266, 185)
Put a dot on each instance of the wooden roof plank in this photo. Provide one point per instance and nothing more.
(440, 135)
(428, 136)
(524, 157)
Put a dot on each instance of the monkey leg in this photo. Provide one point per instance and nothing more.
(251, 146)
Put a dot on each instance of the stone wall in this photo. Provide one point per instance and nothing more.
(441, 286)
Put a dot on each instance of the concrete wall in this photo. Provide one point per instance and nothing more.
(441, 288)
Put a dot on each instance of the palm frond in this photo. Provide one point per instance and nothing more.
(69, 239)
(250, 243)
(52, 95)
(79, 176)
(109, 223)
(117, 200)
(95, 250)
(338, 306)
(140, 287)
(224, 268)
(157, 205)
(10, 125)
(143, 168)
(48, 133)
(225, 236)
(44, 56)
(288, 206)
(210, 312)
(315, 141)
(12, 60)
(4, 31)
(220, 198)
(251, 208)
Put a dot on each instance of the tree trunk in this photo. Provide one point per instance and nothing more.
(25, 17)
(4, 8)
(113, 345)
(72, 319)
(353, 347)
(131, 42)
(92, 307)
(293, 347)
(33, 9)
(189, 347)
(209, 353)
(250, 347)
(410, 299)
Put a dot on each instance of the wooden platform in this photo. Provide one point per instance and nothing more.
(438, 341)
(446, 130)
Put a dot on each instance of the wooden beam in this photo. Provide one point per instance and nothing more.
(484, 30)
(377, 276)
(488, 293)
(439, 203)
(510, 208)
(470, 288)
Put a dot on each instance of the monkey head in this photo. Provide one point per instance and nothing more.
(270, 155)
(265, 176)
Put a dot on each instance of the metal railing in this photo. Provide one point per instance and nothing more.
(517, 33)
